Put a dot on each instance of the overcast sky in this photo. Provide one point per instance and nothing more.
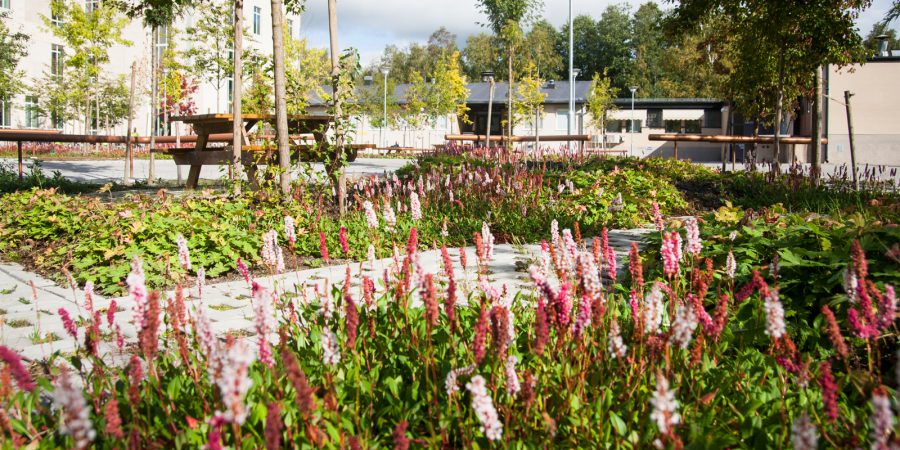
(370, 25)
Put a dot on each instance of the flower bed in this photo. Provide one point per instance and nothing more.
(689, 351)
(447, 199)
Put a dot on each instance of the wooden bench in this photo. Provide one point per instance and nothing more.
(171, 150)
(255, 154)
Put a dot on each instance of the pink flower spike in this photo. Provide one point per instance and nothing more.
(68, 323)
(323, 247)
(342, 235)
(18, 370)
(290, 232)
(244, 270)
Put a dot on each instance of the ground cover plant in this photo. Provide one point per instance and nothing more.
(698, 353)
(446, 198)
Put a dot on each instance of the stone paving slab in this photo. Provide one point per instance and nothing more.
(229, 305)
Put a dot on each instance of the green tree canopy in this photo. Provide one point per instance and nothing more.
(12, 50)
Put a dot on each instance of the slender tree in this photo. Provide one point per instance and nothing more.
(281, 119)
(528, 104)
(12, 50)
(506, 18)
(212, 35)
(237, 87)
(87, 37)
(600, 101)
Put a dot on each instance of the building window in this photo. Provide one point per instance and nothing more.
(290, 27)
(635, 126)
(55, 20)
(683, 126)
(91, 5)
(614, 126)
(32, 116)
(712, 118)
(654, 118)
(4, 4)
(440, 123)
(56, 120)
(230, 91)
(257, 16)
(56, 60)
(162, 42)
(5, 113)
(562, 119)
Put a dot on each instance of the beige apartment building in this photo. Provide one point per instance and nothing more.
(46, 54)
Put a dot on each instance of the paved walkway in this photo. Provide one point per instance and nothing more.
(29, 318)
(105, 170)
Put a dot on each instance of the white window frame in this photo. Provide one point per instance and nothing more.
(32, 119)
(6, 5)
(560, 113)
(257, 20)
(5, 113)
(441, 122)
(290, 27)
(57, 55)
(91, 5)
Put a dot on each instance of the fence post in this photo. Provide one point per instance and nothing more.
(21, 169)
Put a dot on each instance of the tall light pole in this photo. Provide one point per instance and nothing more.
(631, 123)
(488, 77)
(384, 71)
(571, 76)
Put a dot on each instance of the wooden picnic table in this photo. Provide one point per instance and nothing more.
(206, 125)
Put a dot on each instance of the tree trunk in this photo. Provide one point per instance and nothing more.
(537, 129)
(151, 171)
(336, 172)
(509, 121)
(238, 129)
(778, 113)
(817, 127)
(281, 122)
(129, 146)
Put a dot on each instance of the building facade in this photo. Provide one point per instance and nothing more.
(875, 112)
(46, 54)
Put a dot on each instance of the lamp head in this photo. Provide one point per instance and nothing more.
(632, 89)
(487, 76)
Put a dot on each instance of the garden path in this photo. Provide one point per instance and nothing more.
(107, 170)
(30, 316)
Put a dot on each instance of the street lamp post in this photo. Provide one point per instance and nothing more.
(573, 116)
(488, 77)
(571, 78)
(631, 123)
(384, 71)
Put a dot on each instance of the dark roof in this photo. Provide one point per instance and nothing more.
(670, 103)
(479, 93)
(557, 92)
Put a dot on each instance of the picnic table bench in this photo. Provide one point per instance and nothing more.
(206, 125)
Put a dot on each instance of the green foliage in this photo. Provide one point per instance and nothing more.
(528, 103)
(415, 58)
(444, 93)
(213, 35)
(601, 99)
(777, 45)
(306, 71)
(12, 50)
